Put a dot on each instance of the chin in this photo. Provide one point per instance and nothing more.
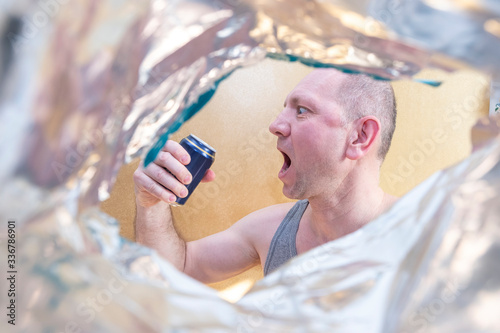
(290, 194)
(286, 193)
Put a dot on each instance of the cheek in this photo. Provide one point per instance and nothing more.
(320, 144)
(313, 152)
(331, 150)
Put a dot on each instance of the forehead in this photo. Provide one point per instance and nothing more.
(320, 85)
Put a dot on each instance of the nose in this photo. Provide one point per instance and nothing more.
(280, 126)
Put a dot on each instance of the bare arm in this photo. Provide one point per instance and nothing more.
(154, 228)
(210, 259)
(232, 251)
(155, 187)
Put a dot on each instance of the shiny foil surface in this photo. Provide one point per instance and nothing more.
(86, 86)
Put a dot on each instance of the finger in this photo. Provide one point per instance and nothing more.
(209, 176)
(145, 183)
(177, 151)
(171, 164)
(166, 179)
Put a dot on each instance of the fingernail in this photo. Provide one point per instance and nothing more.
(172, 198)
(184, 159)
(187, 179)
(184, 192)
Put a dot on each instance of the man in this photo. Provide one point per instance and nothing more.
(334, 132)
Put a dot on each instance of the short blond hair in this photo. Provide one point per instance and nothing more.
(360, 95)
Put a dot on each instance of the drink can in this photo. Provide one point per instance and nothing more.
(202, 158)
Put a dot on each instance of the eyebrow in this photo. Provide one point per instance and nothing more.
(295, 100)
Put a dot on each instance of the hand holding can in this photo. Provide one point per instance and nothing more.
(202, 158)
(175, 173)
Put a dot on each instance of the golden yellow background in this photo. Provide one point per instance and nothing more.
(432, 132)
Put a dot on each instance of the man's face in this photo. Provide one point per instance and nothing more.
(311, 137)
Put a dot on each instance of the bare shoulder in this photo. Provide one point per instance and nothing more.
(260, 226)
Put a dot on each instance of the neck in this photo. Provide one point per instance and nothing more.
(351, 205)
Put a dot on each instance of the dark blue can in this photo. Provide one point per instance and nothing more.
(202, 158)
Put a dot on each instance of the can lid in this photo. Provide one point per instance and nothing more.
(202, 145)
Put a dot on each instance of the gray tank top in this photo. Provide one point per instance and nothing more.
(283, 246)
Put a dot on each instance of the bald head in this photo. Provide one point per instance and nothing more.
(360, 96)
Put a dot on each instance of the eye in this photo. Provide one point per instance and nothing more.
(301, 110)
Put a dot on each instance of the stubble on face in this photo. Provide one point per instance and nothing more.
(316, 179)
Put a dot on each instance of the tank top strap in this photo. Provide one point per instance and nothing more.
(283, 246)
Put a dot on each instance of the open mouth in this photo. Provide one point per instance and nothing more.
(286, 163)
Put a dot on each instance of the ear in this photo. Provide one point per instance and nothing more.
(363, 136)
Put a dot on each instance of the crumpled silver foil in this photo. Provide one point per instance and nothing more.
(88, 85)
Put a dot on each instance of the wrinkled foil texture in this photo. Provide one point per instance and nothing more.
(86, 86)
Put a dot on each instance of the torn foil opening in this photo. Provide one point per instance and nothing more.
(87, 86)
